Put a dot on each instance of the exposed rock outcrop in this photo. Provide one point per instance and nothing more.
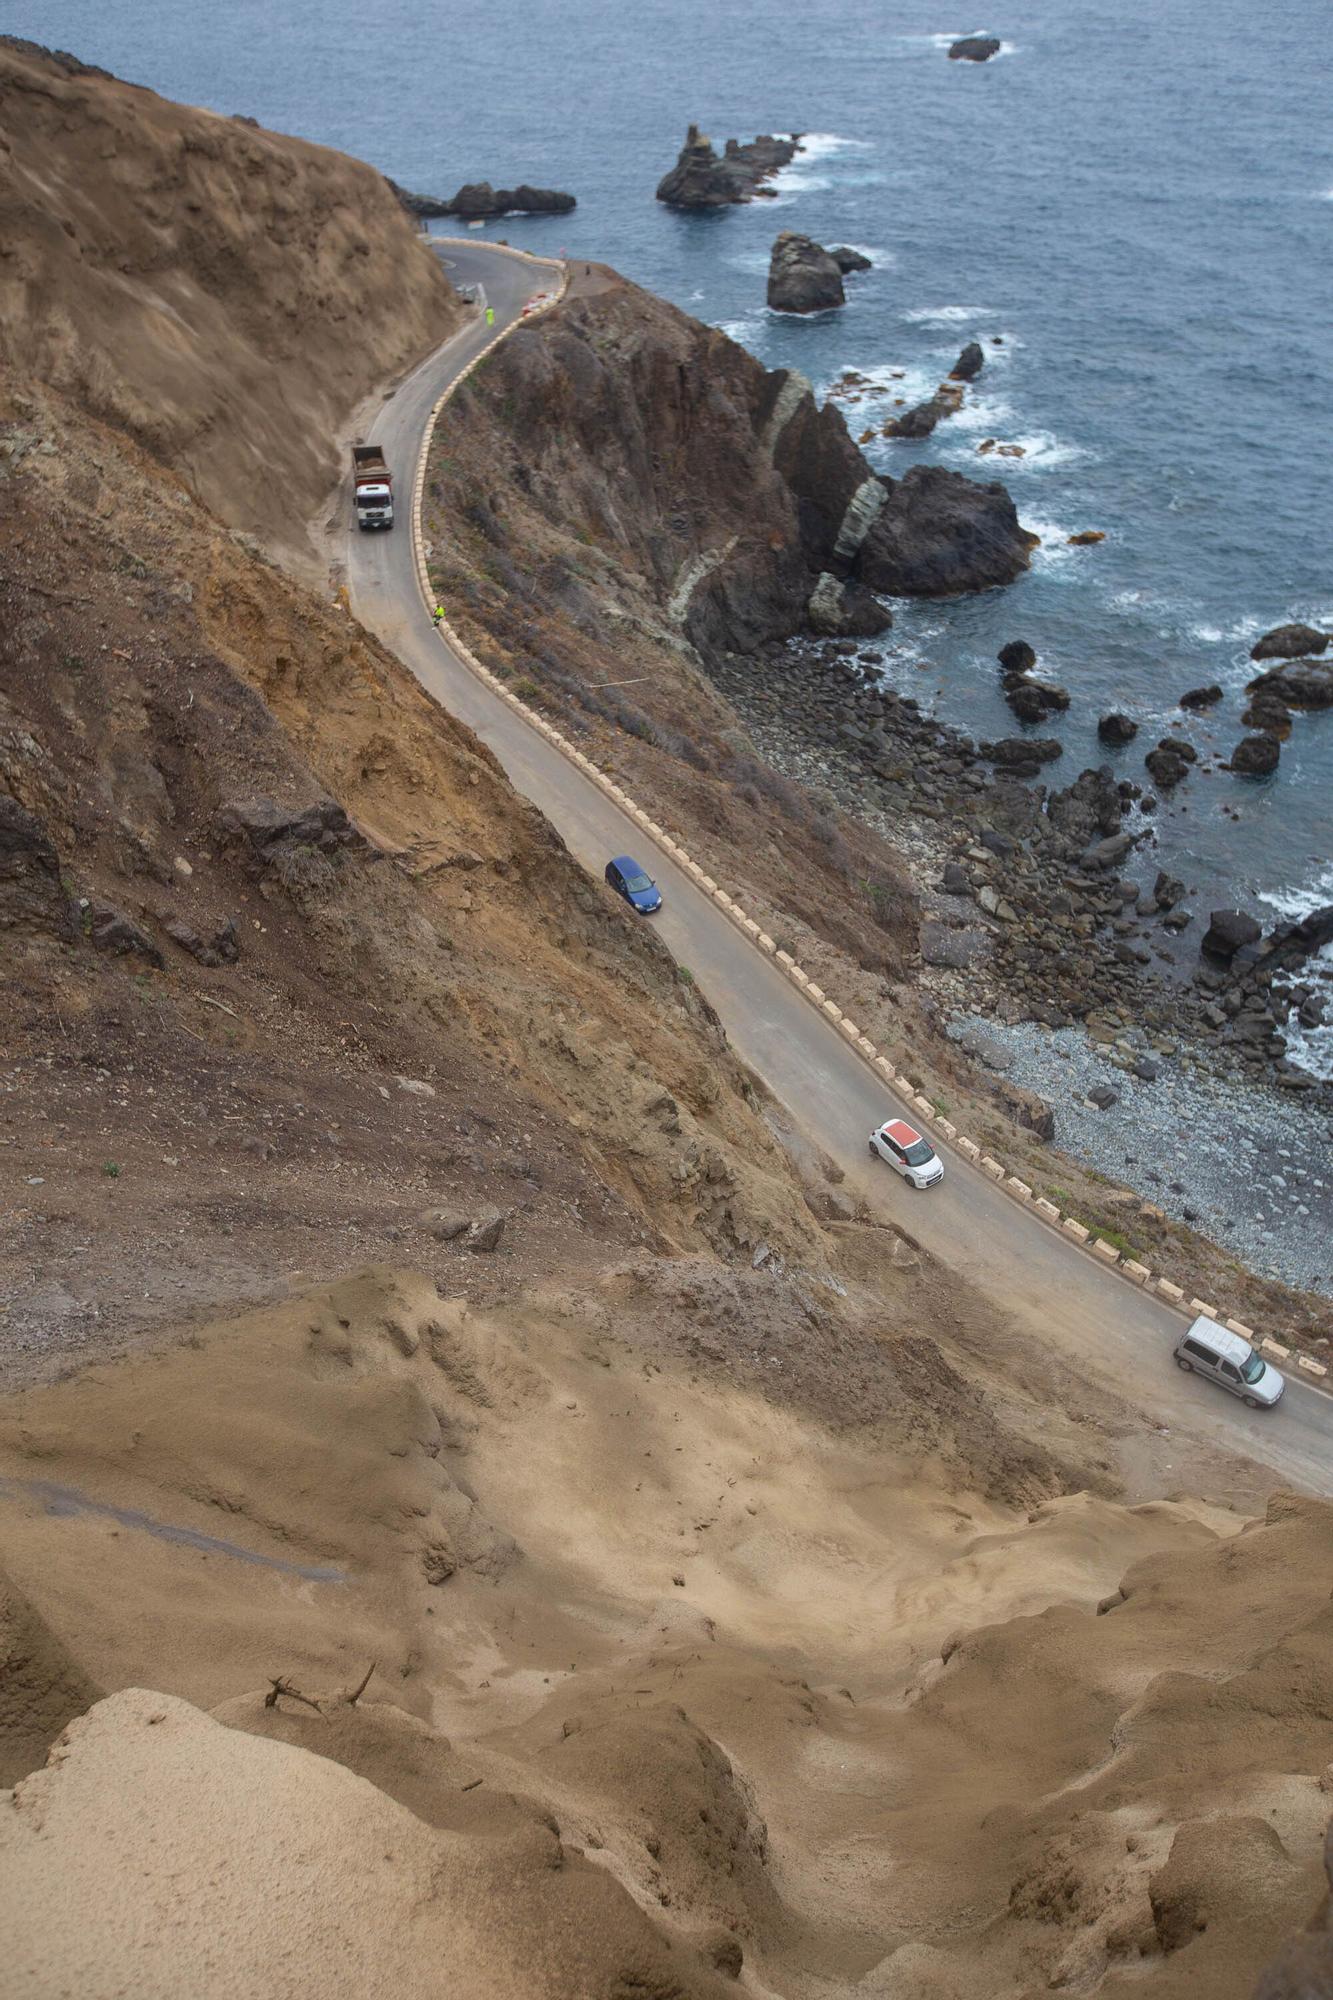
(940, 534)
(1117, 729)
(32, 897)
(700, 179)
(974, 48)
(802, 276)
(1201, 697)
(848, 260)
(969, 363)
(846, 610)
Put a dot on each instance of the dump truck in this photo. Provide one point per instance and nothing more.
(374, 487)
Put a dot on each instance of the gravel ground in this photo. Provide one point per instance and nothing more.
(1248, 1169)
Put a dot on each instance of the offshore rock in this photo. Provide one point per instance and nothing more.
(802, 276)
(1017, 657)
(969, 364)
(974, 48)
(1169, 762)
(1031, 700)
(850, 260)
(921, 419)
(700, 179)
(1117, 728)
(940, 533)
(1290, 642)
(1256, 756)
(1299, 684)
(479, 199)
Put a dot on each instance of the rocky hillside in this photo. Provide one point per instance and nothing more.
(621, 501)
(225, 295)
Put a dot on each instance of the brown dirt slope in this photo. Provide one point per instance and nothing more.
(224, 294)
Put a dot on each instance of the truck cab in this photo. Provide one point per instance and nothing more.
(373, 487)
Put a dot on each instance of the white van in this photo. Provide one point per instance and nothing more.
(1206, 1348)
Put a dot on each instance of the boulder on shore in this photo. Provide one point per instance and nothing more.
(1290, 642)
(1228, 931)
(1290, 943)
(700, 179)
(850, 260)
(802, 276)
(969, 364)
(974, 48)
(846, 610)
(1022, 753)
(939, 533)
(1256, 756)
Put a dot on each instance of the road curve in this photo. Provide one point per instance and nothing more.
(1110, 1333)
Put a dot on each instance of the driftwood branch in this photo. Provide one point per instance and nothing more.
(277, 1688)
(357, 1692)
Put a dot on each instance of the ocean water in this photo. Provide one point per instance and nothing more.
(1138, 202)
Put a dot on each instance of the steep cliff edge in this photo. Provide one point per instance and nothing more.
(224, 294)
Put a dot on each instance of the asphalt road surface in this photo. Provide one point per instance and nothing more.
(1112, 1334)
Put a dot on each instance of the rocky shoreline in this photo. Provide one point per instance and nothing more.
(1045, 888)
(1041, 904)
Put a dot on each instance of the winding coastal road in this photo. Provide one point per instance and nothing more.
(1090, 1319)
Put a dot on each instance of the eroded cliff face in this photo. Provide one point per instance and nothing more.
(724, 490)
(224, 294)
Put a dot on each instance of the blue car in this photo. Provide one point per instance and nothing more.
(628, 880)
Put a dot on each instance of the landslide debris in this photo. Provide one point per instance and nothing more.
(723, 1678)
(224, 295)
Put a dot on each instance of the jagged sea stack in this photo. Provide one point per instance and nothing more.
(700, 179)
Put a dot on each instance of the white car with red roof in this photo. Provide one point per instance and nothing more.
(907, 1152)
